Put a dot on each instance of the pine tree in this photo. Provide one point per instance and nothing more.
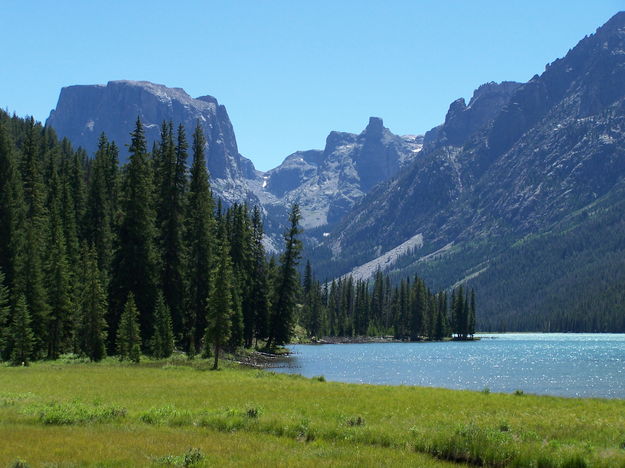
(135, 265)
(128, 333)
(170, 214)
(471, 318)
(4, 315)
(162, 343)
(31, 281)
(260, 283)
(219, 313)
(99, 213)
(242, 265)
(287, 286)
(21, 334)
(93, 306)
(200, 239)
(60, 322)
(12, 212)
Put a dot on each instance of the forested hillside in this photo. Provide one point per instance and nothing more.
(519, 193)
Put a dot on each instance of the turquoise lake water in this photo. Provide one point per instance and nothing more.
(573, 365)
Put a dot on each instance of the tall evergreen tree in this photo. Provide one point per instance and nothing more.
(162, 343)
(100, 206)
(31, 277)
(287, 284)
(260, 284)
(12, 212)
(60, 323)
(128, 333)
(93, 306)
(135, 265)
(471, 318)
(4, 316)
(22, 338)
(199, 239)
(219, 313)
(171, 170)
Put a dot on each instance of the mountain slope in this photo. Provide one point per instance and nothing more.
(557, 146)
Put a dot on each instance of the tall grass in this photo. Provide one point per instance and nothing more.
(476, 428)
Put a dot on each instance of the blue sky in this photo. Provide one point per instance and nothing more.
(290, 71)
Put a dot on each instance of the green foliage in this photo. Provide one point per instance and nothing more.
(128, 333)
(135, 267)
(219, 312)
(170, 208)
(162, 343)
(200, 240)
(287, 286)
(19, 463)
(93, 308)
(79, 235)
(21, 334)
(4, 314)
(57, 414)
(191, 457)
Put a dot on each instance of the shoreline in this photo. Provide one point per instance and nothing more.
(371, 339)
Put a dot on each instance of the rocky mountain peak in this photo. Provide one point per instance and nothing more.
(83, 112)
(375, 126)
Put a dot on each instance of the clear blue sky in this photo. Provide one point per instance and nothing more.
(289, 71)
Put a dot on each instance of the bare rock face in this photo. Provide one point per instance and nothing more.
(83, 112)
(328, 183)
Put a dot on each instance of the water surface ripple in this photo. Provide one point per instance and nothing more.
(573, 365)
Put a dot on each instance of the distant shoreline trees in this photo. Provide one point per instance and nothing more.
(408, 311)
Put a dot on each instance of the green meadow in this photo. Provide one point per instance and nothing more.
(179, 413)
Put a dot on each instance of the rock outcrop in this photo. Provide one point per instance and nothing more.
(83, 112)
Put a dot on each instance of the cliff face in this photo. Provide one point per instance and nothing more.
(83, 112)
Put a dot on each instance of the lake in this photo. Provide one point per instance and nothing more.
(562, 364)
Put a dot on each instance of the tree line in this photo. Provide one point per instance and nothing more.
(407, 311)
(98, 259)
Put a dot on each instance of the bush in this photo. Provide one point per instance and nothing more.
(166, 415)
(19, 463)
(190, 458)
(74, 413)
(356, 421)
(319, 378)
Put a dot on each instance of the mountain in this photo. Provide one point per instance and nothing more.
(83, 112)
(328, 183)
(506, 195)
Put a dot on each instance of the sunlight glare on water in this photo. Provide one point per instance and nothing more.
(574, 365)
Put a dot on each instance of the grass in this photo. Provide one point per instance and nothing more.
(176, 413)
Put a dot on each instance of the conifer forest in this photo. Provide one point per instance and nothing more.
(98, 259)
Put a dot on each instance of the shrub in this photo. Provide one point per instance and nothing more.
(356, 421)
(253, 412)
(19, 463)
(74, 413)
(191, 457)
